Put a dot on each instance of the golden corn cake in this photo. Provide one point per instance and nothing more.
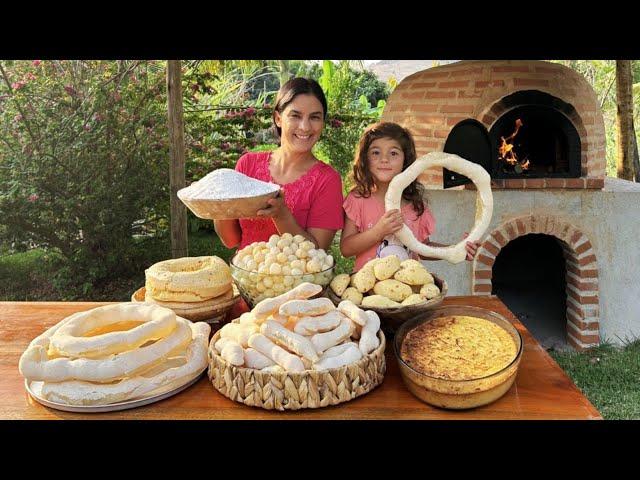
(458, 348)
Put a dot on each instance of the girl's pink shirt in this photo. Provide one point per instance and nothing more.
(314, 199)
(365, 213)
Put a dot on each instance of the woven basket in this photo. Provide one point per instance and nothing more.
(392, 318)
(294, 391)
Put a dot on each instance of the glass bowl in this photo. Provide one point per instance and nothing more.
(458, 394)
(254, 286)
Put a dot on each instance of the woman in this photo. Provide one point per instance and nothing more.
(310, 199)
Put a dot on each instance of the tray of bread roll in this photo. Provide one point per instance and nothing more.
(293, 351)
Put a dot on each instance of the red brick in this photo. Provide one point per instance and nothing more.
(467, 71)
(456, 84)
(430, 119)
(584, 326)
(440, 95)
(432, 74)
(510, 231)
(491, 248)
(455, 120)
(586, 260)
(535, 183)
(520, 226)
(497, 183)
(586, 338)
(575, 237)
(523, 68)
(500, 238)
(486, 260)
(482, 288)
(412, 95)
(583, 247)
(591, 300)
(484, 274)
(425, 107)
(588, 274)
(457, 109)
(470, 94)
(575, 183)
(575, 344)
(441, 133)
(422, 85)
(514, 183)
(531, 82)
(595, 183)
(491, 83)
(548, 70)
(572, 269)
(555, 182)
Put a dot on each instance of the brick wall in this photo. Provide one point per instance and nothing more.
(583, 311)
(429, 103)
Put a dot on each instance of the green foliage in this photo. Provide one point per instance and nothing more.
(601, 74)
(83, 162)
(350, 112)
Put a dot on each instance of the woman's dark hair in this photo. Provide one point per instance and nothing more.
(293, 88)
(361, 175)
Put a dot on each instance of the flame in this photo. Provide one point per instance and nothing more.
(507, 153)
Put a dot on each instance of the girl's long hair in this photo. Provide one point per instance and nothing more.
(361, 176)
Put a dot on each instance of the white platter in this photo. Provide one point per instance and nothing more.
(34, 390)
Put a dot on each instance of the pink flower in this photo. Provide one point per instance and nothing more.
(33, 197)
(18, 85)
(335, 123)
(250, 112)
(31, 76)
(225, 146)
(97, 117)
(17, 118)
(70, 90)
(35, 63)
(86, 127)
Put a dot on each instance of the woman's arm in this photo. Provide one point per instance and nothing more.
(229, 232)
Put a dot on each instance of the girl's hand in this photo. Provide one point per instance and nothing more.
(471, 248)
(389, 223)
(277, 208)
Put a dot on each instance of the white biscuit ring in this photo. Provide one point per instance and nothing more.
(476, 173)
(68, 340)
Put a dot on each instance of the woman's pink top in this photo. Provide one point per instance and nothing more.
(314, 199)
(365, 213)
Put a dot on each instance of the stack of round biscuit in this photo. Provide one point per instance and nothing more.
(196, 288)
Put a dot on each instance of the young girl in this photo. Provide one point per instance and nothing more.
(385, 150)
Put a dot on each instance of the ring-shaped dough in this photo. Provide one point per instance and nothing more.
(476, 173)
(188, 279)
(68, 340)
(165, 377)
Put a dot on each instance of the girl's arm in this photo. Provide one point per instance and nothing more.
(353, 243)
(228, 231)
(471, 247)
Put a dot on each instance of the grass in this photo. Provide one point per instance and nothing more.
(608, 376)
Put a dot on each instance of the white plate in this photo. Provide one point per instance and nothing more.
(34, 388)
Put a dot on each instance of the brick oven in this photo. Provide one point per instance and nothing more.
(558, 221)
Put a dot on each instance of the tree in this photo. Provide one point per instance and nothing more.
(627, 158)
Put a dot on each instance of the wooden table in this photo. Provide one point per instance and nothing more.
(541, 390)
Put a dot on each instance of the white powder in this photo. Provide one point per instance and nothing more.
(226, 184)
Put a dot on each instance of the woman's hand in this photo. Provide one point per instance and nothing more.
(277, 208)
(389, 223)
(471, 248)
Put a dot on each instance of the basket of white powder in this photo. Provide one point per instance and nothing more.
(227, 194)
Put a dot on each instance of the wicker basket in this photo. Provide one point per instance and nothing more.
(392, 318)
(210, 311)
(294, 391)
